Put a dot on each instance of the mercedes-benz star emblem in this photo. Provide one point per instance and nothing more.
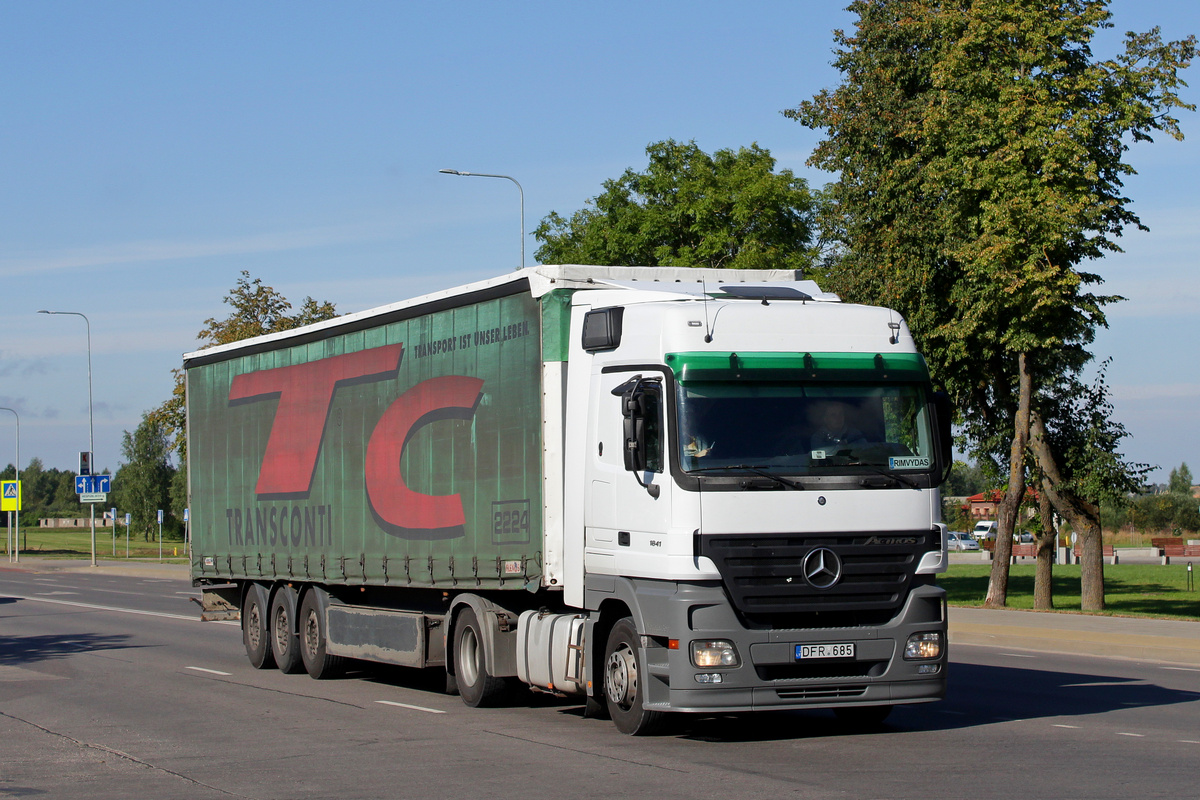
(822, 568)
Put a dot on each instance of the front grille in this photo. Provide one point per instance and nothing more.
(820, 692)
(765, 577)
(821, 670)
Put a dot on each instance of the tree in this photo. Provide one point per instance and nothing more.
(1180, 481)
(980, 153)
(1081, 467)
(257, 310)
(142, 484)
(689, 209)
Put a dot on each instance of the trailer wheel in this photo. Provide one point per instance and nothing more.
(624, 682)
(477, 688)
(285, 644)
(254, 631)
(317, 662)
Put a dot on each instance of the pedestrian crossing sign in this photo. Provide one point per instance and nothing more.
(10, 495)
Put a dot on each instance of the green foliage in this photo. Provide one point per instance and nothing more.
(979, 149)
(1180, 481)
(1166, 514)
(142, 484)
(1086, 440)
(257, 310)
(967, 479)
(689, 209)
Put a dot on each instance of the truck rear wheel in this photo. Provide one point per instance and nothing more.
(475, 685)
(285, 644)
(624, 682)
(318, 663)
(254, 631)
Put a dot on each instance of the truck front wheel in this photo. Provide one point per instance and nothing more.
(254, 631)
(476, 686)
(624, 682)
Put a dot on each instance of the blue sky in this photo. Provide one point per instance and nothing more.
(151, 151)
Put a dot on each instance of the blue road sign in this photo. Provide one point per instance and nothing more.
(91, 484)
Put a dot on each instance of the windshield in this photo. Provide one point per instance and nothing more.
(804, 428)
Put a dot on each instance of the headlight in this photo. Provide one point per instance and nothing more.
(923, 645)
(718, 653)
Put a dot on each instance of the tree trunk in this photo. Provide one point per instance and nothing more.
(1010, 506)
(1043, 579)
(1083, 516)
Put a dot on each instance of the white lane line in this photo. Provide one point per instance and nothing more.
(1072, 727)
(94, 607)
(49, 594)
(1188, 741)
(1102, 683)
(1017, 655)
(406, 705)
(1183, 669)
(1137, 735)
(209, 671)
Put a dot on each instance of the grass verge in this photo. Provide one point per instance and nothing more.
(41, 543)
(1130, 590)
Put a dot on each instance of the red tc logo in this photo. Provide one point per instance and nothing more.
(305, 393)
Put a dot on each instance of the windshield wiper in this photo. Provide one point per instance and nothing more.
(893, 475)
(757, 471)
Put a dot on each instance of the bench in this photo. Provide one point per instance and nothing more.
(1107, 552)
(1175, 548)
(1023, 551)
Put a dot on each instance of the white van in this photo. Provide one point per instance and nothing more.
(985, 530)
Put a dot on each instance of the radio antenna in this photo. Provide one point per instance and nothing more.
(707, 330)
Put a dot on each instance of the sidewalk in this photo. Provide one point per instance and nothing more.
(131, 568)
(1138, 638)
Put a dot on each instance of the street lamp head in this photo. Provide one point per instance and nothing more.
(451, 172)
(44, 311)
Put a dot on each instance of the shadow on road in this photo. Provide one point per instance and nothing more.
(20, 650)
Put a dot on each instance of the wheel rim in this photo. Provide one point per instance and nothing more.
(253, 626)
(283, 633)
(468, 661)
(622, 676)
(312, 634)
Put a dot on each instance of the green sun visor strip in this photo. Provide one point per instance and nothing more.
(709, 366)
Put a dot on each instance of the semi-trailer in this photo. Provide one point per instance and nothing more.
(656, 490)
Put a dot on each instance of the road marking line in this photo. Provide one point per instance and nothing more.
(406, 705)
(94, 607)
(1188, 741)
(1072, 727)
(1183, 669)
(209, 671)
(1017, 655)
(1138, 735)
(1131, 682)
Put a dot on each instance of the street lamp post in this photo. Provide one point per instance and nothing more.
(506, 177)
(14, 554)
(91, 417)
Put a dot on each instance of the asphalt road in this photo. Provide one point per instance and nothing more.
(110, 688)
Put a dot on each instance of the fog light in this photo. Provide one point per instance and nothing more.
(708, 677)
(929, 669)
(923, 645)
(719, 653)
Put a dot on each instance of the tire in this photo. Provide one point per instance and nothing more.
(285, 644)
(625, 684)
(317, 662)
(863, 717)
(255, 635)
(477, 688)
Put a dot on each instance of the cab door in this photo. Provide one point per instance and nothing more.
(628, 509)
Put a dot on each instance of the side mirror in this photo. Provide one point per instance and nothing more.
(943, 412)
(633, 409)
